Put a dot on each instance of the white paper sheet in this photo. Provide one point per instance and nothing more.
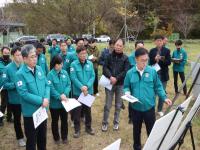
(39, 116)
(91, 57)
(70, 104)
(114, 146)
(87, 100)
(156, 67)
(130, 98)
(105, 82)
(1, 88)
(1, 114)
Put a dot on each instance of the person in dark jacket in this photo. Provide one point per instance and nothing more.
(161, 55)
(105, 52)
(115, 68)
(4, 61)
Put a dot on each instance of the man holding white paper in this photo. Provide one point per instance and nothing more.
(34, 90)
(82, 76)
(115, 68)
(142, 82)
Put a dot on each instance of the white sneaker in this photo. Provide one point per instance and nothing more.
(161, 113)
(116, 127)
(104, 127)
(21, 142)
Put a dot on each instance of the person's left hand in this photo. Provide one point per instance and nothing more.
(168, 102)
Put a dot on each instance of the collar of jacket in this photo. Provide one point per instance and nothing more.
(117, 54)
(27, 69)
(146, 70)
(55, 72)
(79, 62)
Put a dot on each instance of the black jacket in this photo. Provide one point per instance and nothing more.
(164, 72)
(116, 65)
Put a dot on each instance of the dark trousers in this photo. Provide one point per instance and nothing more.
(35, 136)
(182, 76)
(55, 114)
(138, 117)
(16, 110)
(5, 104)
(95, 85)
(76, 112)
(129, 111)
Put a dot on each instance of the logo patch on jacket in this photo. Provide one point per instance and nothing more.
(19, 83)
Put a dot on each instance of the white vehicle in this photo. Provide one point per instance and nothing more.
(103, 38)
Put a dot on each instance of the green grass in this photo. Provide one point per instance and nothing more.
(100, 140)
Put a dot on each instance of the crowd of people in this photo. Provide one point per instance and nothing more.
(28, 81)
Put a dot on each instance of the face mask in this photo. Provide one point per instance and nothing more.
(178, 49)
(6, 57)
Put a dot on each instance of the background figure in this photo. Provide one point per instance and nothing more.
(93, 50)
(179, 65)
(4, 61)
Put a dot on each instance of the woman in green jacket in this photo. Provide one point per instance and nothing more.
(60, 87)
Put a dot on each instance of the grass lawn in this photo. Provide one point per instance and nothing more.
(101, 139)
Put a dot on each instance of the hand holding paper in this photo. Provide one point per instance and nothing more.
(87, 100)
(39, 116)
(130, 98)
(105, 82)
(70, 104)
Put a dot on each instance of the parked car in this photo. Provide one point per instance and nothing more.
(87, 36)
(58, 37)
(103, 38)
(24, 40)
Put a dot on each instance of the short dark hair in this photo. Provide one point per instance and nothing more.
(5, 47)
(79, 39)
(39, 45)
(26, 49)
(138, 42)
(178, 42)
(119, 39)
(56, 60)
(15, 49)
(111, 42)
(54, 40)
(140, 52)
(80, 49)
(157, 37)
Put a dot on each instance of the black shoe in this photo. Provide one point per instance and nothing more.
(77, 134)
(65, 141)
(89, 131)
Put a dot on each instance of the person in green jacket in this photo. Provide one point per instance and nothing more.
(4, 61)
(34, 90)
(13, 96)
(142, 82)
(179, 59)
(93, 51)
(82, 76)
(53, 50)
(66, 57)
(41, 59)
(60, 86)
(70, 47)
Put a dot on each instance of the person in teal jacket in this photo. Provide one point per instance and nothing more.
(13, 96)
(60, 86)
(132, 61)
(70, 47)
(131, 58)
(53, 50)
(82, 76)
(41, 59)
(34, 90)
(67, 57)
(179, 59)
(4, 61)
(143, 82)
